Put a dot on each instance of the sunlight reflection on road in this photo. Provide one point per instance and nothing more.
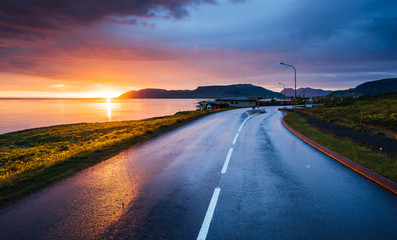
(100, 196)
(83, 205)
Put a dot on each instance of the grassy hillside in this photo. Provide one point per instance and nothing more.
(32, 158)
(377, 114)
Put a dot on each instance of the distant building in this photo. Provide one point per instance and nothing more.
(267, 100)
(273, 101)
(285, 101)
(309, 103)
(236, 101)
(206, 105)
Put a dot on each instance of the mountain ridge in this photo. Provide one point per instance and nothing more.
(367, 88)
(370, 88)
(252, 91)
(307, 92)
(215, 91)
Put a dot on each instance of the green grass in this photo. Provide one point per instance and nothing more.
(33, 158)
(377, 114)
(375, 161)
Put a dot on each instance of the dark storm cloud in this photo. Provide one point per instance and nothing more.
(35, 19)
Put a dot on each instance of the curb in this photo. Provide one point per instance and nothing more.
(368, 173)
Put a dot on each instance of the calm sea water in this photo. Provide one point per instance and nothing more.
(19, 114)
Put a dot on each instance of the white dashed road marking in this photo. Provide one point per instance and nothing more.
(208, 216)
(229, 155)
(211, 208)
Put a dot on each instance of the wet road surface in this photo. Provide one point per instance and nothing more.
(262, 182)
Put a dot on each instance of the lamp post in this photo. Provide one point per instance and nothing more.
(295, 78)
(284, 94)
(284, 88)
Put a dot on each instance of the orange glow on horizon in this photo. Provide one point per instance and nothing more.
(104, 94)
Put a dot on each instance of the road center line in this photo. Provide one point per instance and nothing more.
(208, 216)
(235, 138)
(211, 208)
(246, 121)
(229, 154)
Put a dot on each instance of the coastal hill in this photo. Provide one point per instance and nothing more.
(307, 92)
(370, 88)
(236, 90)
(367, 88)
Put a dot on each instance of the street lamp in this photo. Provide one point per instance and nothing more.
(284, 88)
(295, 78)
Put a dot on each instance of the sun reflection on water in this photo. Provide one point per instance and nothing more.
(109, 108)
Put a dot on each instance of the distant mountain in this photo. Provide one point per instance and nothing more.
(237, 90)
(377, 87)
(342, 93)
(370, 88)
(307, 92)
(155, 93)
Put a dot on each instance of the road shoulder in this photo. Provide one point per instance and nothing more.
(368, 173)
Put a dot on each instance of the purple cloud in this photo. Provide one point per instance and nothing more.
(32, 19)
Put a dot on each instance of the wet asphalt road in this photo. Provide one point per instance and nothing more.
(275, 186)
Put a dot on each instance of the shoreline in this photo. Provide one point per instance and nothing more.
(22, 114)
(36, 157)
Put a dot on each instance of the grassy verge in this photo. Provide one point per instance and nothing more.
(376, 114)
(375, 161)
(33, 158)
